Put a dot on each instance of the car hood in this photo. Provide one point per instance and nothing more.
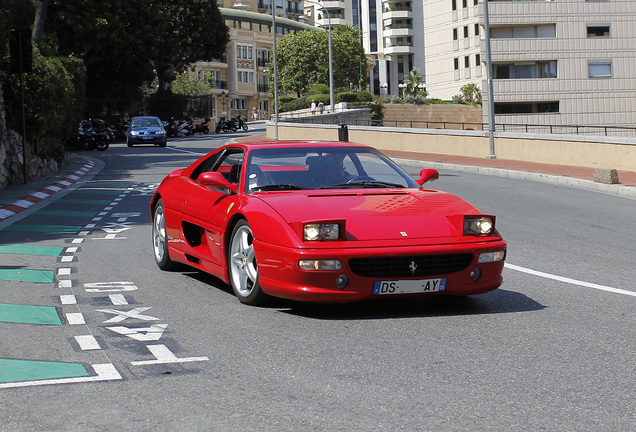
(376, 215)
(146, 129)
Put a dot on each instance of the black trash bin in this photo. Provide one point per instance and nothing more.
(343, 132)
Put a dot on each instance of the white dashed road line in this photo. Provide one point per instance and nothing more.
(570, 281)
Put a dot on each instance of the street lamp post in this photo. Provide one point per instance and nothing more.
(491, 100)
(223, 95)
(331, 89)
(275, 72)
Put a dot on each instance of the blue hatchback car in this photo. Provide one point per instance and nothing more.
(146, 130)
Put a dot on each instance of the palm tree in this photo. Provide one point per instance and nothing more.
(413, 81)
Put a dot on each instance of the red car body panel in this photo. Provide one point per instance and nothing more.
(378, 222)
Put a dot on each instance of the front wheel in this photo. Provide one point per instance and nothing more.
(242, 266)
(102, 144)
(245, 126)
(160, 239)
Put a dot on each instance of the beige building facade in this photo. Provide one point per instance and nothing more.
(239, 79)
(555, 62)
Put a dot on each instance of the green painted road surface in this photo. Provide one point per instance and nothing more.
(50, 229)
(27, 275)
(65, 213)
(28, 314)
(97, 191)
(83, 201)
(30, 250)
(28, 370)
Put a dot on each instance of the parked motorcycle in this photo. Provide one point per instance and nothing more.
(225, 125)
(240, 123)
(186, 127)
(203, 126)
(87, 138)
(172, 129)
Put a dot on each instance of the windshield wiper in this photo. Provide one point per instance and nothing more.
(274, 187)
(364, 184)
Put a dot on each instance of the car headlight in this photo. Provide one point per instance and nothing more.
(479, 225)
(320, 265)
(134, 133)
(321, 231)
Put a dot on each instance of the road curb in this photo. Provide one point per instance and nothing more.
(27, 201)
(613, 189)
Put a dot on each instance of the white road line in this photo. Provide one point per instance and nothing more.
(68, 299)
(185, 151)
(75, 318)
(570, 281)
(105, 372)
(87, 342)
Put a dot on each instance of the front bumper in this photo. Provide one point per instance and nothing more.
(280, 276)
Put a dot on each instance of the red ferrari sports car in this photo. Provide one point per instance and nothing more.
(321, 222)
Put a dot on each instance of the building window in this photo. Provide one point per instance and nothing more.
(244, 52)
(600, 69)
(466, 61)
(456, 63)
(454, 4)
(455, 34)
(527, 32)
(465, 31)
(245, 76)
(525, 70)
(476, 29)
(477, 59)
(527, 108)
(594, 31)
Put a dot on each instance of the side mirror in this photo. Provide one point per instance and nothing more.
(216, 180)
(426, 175)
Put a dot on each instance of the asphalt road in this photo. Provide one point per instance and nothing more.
(552, 349)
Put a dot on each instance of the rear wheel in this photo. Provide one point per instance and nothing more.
(160, 239)
(102, 143)
(242, 265)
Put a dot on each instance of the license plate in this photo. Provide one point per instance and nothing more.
(409, 286)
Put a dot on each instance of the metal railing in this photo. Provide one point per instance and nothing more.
(613, 131)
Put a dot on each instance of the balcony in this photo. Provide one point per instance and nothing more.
(401, 48)
(402, 30)
(397, 13)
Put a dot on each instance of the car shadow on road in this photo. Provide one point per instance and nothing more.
(495, 302)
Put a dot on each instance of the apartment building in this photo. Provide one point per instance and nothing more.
(393, 33)
(240, 78)
(554, 62)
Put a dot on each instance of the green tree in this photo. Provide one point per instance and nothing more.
(469, 94)
(186, 85)
(413, 81)
(130, 41)
(303, 59)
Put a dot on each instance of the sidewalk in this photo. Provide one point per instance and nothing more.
(562, 175)
(18, 197)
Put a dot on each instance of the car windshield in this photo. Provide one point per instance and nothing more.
(322, 168)
(146, 122)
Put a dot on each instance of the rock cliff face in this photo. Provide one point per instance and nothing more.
(11, 156)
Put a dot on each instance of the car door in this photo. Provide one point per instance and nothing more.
(204, 209)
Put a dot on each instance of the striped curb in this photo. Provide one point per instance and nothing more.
(29, 200)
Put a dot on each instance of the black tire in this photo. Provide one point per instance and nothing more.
(160, 248)
(245, 126)
(102, 143)
(242, 267)
(129, 143)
